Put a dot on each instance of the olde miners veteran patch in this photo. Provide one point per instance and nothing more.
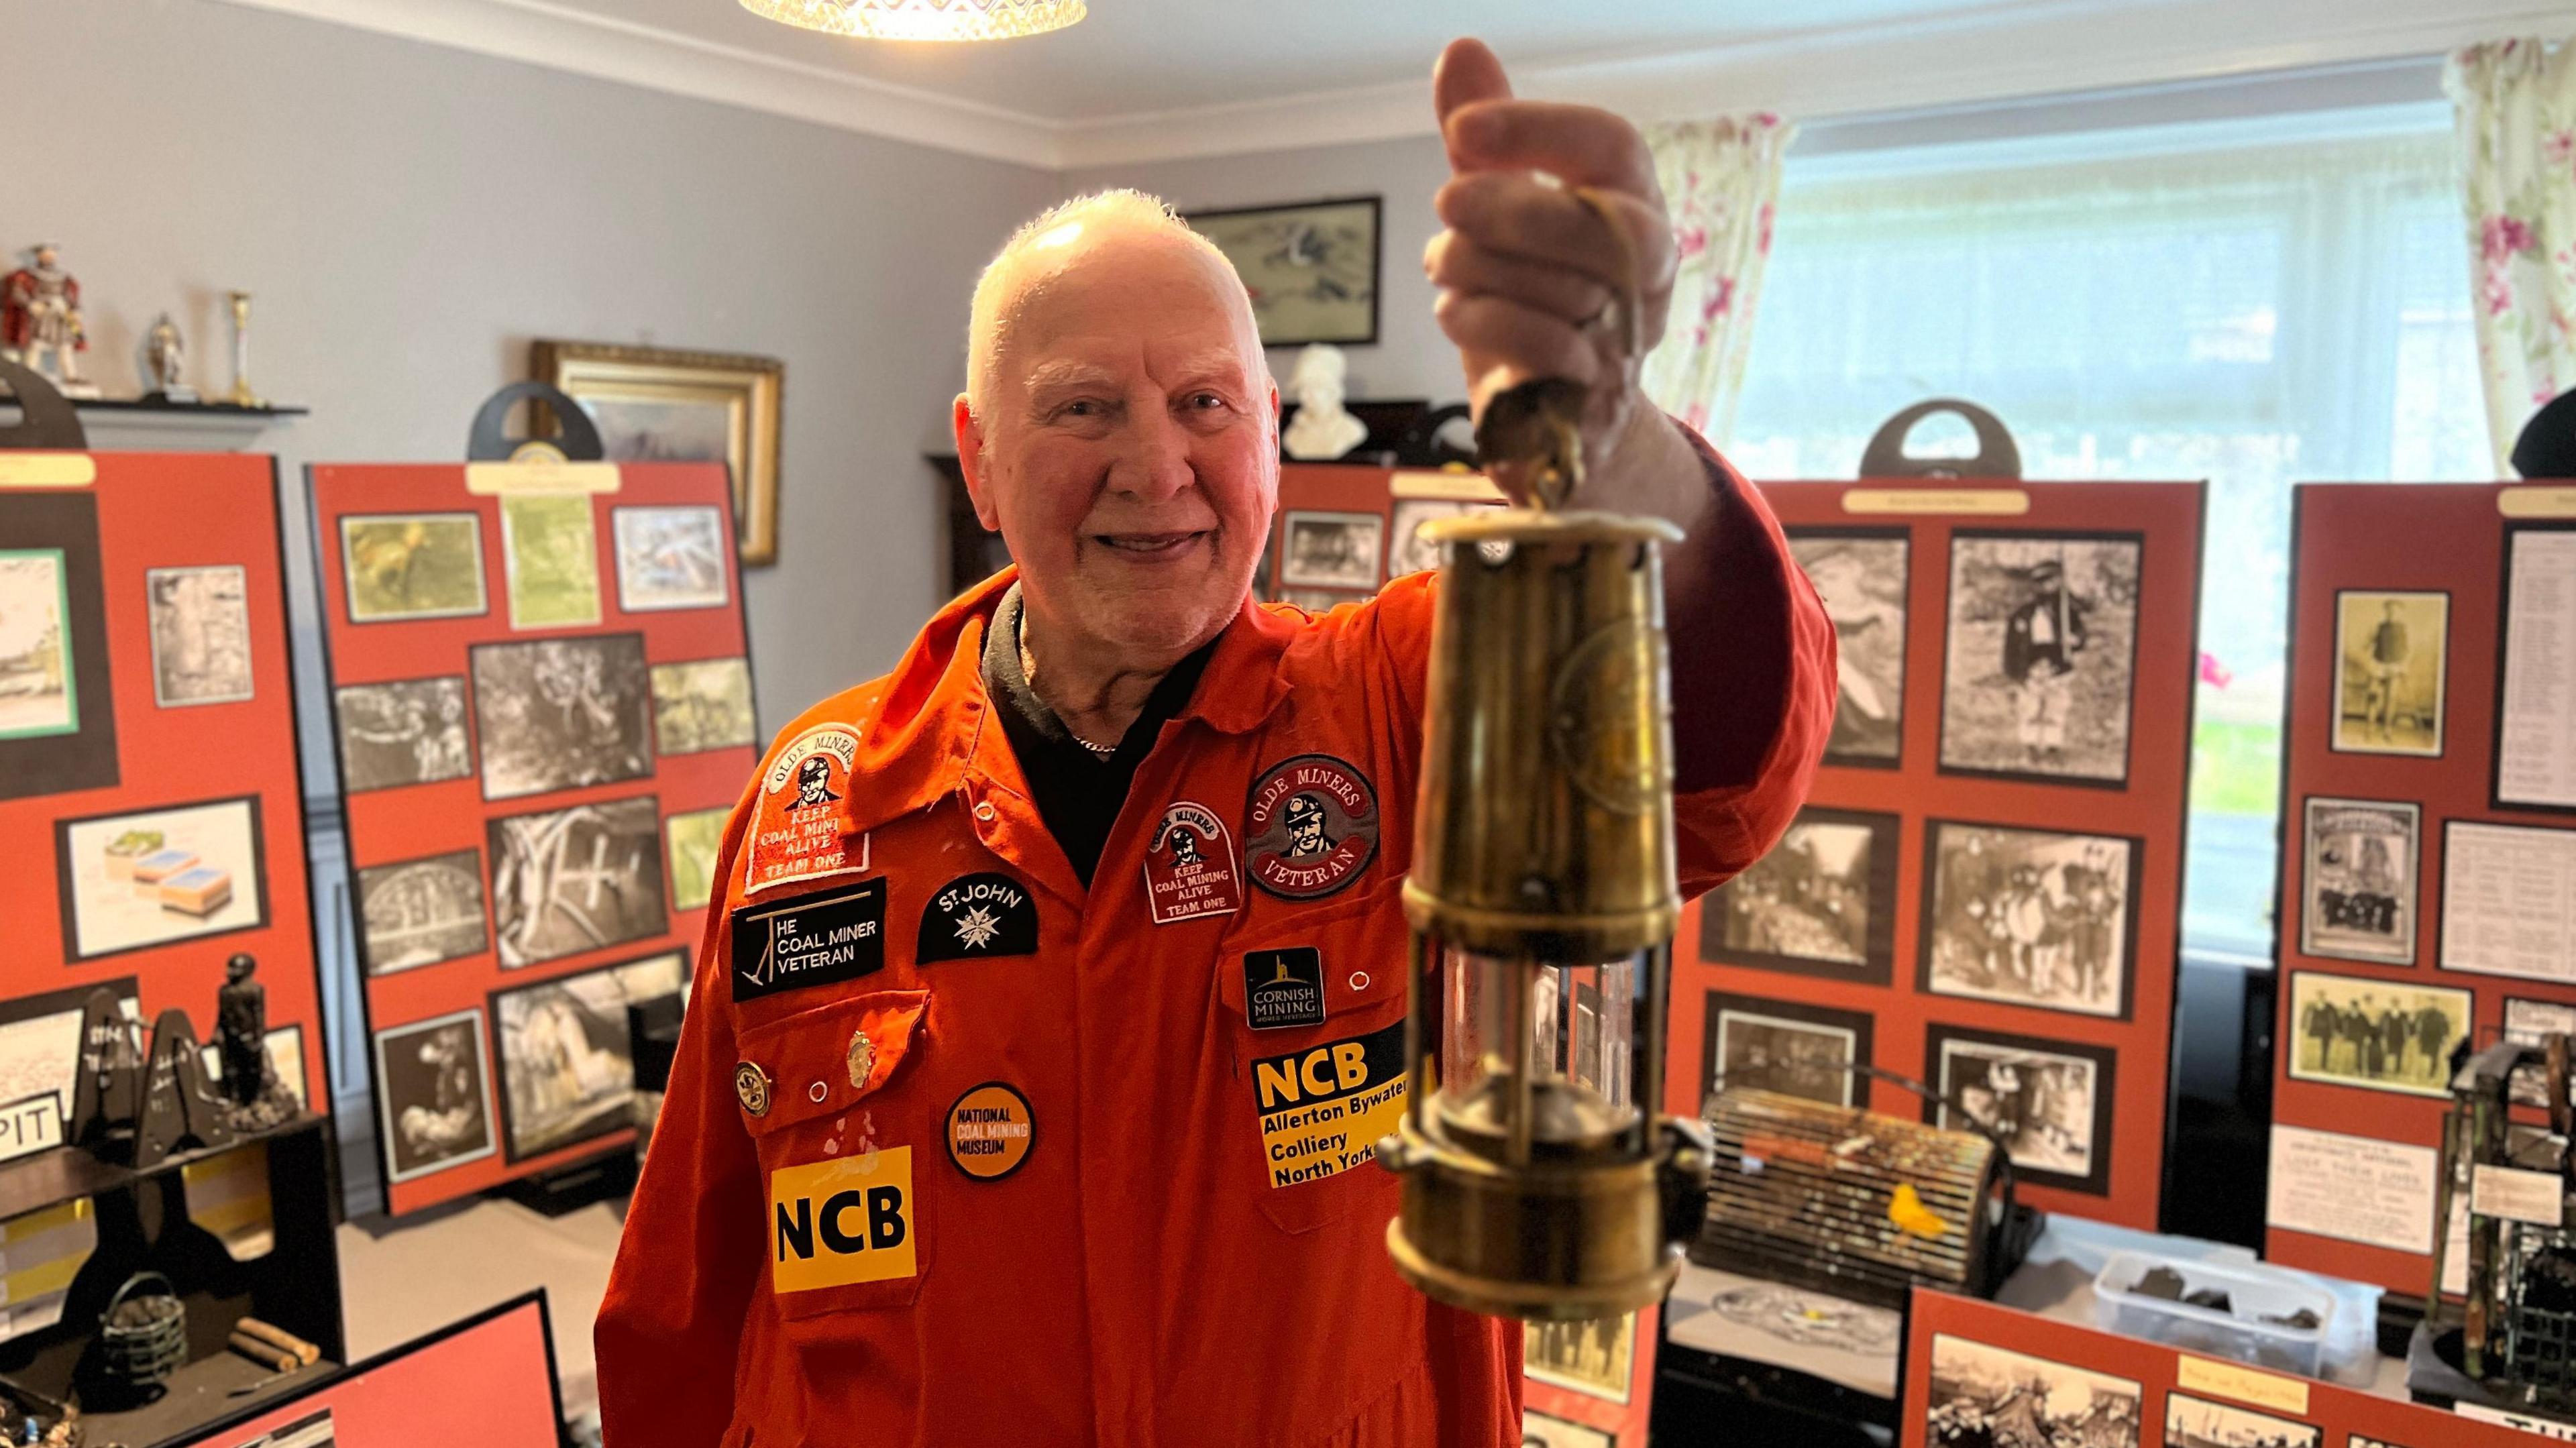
(838, 1222)
(1324, 1108)
(818, 939)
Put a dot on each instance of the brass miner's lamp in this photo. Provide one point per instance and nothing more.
(1538, 1180)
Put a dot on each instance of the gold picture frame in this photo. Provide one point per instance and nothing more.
(657, 404)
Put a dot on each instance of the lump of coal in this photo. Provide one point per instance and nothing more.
(2303, 1319)
(2211, 1298)
(2161, 1282)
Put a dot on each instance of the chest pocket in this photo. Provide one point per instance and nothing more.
(1315, 1005)
(846, 1146)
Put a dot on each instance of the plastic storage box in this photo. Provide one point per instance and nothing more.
(2260, 1328)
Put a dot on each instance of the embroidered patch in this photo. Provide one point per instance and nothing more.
(751, 1088)
(796, 831)
(840, 1222)
(1189, 866)
(1283, 988)
(974, 916)
(1323, 1109)
(1310, 827)
(990, 1131)
(818, 939)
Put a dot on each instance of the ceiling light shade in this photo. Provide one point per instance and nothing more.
(923, 19)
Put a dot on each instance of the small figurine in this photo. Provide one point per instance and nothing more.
(1321, 431)
(253, 1099)
(40, 321)
(165, 362)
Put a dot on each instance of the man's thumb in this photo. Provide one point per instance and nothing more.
(1466, 72)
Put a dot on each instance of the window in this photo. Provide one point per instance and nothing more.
(2257, 303)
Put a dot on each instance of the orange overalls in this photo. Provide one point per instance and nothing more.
(958, 1152)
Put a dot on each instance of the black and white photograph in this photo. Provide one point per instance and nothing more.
(421, 912)
(2532, 1023)
(1861, 574)
(569, 880)
(555, 714)
(1591, 1357)
(2376, 1034)
(1407, 551)
(2199, 1423)
(2360, 880)
(2391, 656)
(200, 635)
(2029, 917)
(431, 1097)
(2049, 1100)
(1823, 902)
(1756, 1043)
(2041, 656)
(703, 704)
(670, 558)
(567, 1065)
(1332, 550)
(408, 732)
(1990, 1397)
(2535, 691)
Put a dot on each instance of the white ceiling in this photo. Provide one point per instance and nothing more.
(1154, 79)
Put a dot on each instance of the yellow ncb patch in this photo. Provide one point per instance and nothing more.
(1323, 1109)
(836, 1223)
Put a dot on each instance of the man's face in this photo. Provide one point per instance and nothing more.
(1128, 449)
(45, 258)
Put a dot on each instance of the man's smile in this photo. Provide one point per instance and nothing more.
(1152, 547)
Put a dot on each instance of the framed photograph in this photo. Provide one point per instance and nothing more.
(571, 880)
(1312, 269)
(695, 837)
(2199, 1423)
(567, 1062)
(431, 1094)
(1978, 1389)
(57, 714)
(2535, 694)
(1332, 550)
(411, 731)
(1593, 1358)
(656, 405)
(2041, 655)
(1786, 1046)
(1861, 574)
(153, 876)
(200, 635)
(38, 693)
(1407, 551)
(400, 566)
(1541, 1430)
(2376, 1034)
(669, 558)
(703, 704)
(2029, 917)
(421, 912)
(2392, 651)
(2532, 1023)
(2049, 1100)
(550, 551)
(2360, 880)
(40, 1041)
(561, 713)
(2504, 894)
(1823, 902)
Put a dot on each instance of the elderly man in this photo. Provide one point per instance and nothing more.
(971, 1137)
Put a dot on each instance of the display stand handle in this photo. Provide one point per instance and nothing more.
(2546, 447)
(46, 421)
(576, 437)
(1885, 457)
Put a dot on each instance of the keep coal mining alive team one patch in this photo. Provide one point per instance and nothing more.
(974, 916)
(1323, 1108)
(1189, 866)
(829, 936)
(1310, 827)
(796, 831)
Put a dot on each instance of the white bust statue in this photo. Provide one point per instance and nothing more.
(1321, 431)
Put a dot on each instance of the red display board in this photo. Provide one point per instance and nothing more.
(542, 707)
(1589, 1384)
(2427, 847)
(150, 806)
(1977, 1373)
(489, 1381)
(1984, 892)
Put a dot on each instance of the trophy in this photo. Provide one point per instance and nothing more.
(242, 395)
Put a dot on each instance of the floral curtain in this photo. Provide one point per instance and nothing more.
(2516, 107)
(1721, 179)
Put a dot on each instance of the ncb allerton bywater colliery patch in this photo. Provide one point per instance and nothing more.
(796, 830)
(1189, 866)
(1310, 827)
(974, 916)
(1324, 1108)
(818, 939)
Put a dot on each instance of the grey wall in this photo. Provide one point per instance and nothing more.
(408, 217)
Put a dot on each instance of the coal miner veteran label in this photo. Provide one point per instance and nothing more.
(796, 831)
(1189, 866)
(1324, 1108)
(1283, 988)
(818, 939)
(974, 916)
(840, 1222)
(1310, 827)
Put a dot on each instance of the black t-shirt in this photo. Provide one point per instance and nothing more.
(1078, 793)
